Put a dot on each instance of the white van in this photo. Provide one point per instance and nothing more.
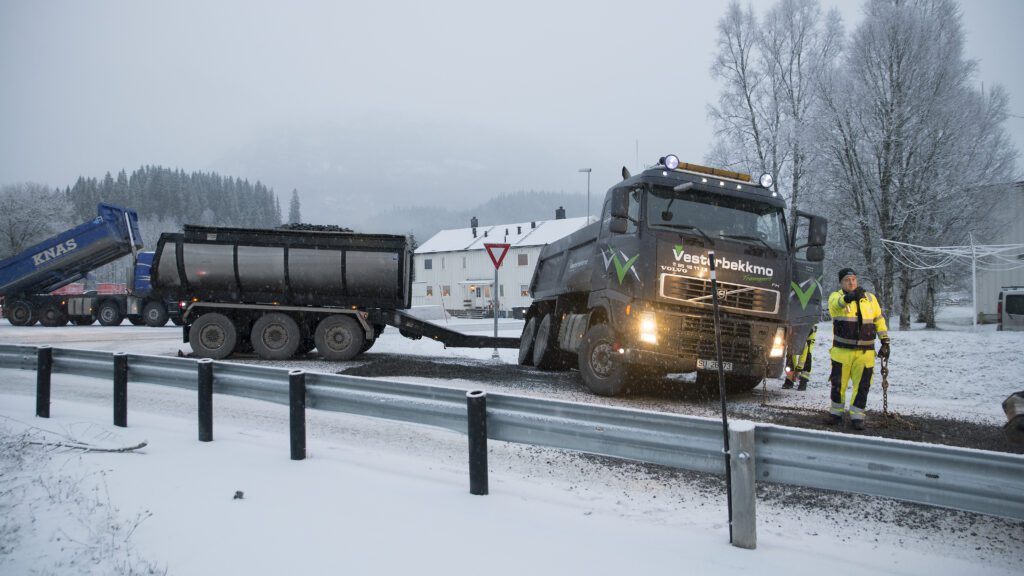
(1010, 308)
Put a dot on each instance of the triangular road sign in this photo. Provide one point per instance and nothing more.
(500, 250)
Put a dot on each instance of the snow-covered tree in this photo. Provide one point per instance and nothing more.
(295, 209)
(29, 213)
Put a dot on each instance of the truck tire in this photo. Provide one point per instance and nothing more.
(213, 336)
(155, 314)
(83, 320)
(135, 320)
(275, 336)
(52, 316)
(109, 313)
(526, 342)
(20, 313)
(546, 354)
(339, 338)
(177, 320)
(602, 372)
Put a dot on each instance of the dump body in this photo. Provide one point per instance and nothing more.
(284, 267)
(70, 255)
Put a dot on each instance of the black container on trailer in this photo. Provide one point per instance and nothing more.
(284, 267)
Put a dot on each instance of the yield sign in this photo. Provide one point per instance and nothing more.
(497, 253)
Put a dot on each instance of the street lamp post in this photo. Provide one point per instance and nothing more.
(587, 170)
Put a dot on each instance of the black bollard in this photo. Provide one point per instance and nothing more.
(297, 412)
(205, 387)
(44, 366)
(121, 389)
(476, 410)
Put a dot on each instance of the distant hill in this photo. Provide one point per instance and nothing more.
(525, 206)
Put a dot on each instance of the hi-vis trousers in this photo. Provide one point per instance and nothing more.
(856, 366)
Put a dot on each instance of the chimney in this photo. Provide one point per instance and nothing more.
(485, 233)
(473, 222)
(533, 225)
(506, 231)
(560, 213)
(519, 229)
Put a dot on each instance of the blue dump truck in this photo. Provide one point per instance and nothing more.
(629, 297)
(28, 278)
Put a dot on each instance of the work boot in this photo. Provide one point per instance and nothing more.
(833, 419)
(857, 424)
(803, 384)
(787, 384)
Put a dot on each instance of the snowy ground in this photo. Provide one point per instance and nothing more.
(380, 497)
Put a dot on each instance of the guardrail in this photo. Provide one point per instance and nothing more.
(963, 479)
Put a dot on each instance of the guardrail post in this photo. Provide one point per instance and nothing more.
(205, 387)
(744, 492)
(476, 408)
(297, 413)
(44, 366)
(121, 389)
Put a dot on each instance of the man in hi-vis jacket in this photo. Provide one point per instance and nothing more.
(856, 320)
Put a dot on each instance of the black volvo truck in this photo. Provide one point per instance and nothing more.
(630, 296)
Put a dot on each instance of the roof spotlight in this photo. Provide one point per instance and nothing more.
(766, 180)
(671, 162)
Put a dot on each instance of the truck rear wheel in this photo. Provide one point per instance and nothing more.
(155, 314)
(339, 338)
(213, 335)
(602, 371)
(52, 316)
(526, 342)
(20, 313)
(275, 336)
(110, 313)
(546, 354)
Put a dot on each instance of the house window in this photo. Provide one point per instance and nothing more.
(446, 290)
(487, 291)
(524, 260)
(524, 290)
(430, 291)
(428, 263)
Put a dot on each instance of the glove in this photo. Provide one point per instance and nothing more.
(853, 296)
(883, 351)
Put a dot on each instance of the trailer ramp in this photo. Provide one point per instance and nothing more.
(409, 325)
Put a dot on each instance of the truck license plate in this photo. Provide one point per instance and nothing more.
(713, 365)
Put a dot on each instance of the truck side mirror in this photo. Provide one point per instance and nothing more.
(620, 204)
(817, 233)
(618, 226)
(815, 253)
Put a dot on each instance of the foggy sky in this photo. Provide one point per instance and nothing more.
(363, 107)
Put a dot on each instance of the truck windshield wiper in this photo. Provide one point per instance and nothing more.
(689, 227)
(754, 238)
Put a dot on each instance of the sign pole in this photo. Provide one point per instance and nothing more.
(497, 253)
(495, 294)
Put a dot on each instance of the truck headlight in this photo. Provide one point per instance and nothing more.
(779, 343)
(648, 328)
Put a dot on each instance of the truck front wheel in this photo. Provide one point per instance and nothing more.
(20, 313)
(213, 335)
(155, 314)
(546, 354)
(526, 342)
(602, 371)
(275, 336)
(339, 338)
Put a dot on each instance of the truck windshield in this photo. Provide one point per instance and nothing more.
(716, 216)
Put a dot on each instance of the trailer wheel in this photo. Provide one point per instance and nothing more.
(52, 316)
(526, 342)
(546, 354)
(82, 320)
(110, 313)
(213, 335)
(155, 314)
(602, 371)
(339, 338)
(20, 313)
(275, 336)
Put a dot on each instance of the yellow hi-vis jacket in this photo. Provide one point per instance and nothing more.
(855, 324)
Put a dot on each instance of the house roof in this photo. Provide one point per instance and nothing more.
(519, 235)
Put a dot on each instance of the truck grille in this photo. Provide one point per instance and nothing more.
(733, 296)
(696, 335)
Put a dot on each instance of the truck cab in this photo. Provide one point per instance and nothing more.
(630, 295)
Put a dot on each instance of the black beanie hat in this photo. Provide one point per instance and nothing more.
(846, 272)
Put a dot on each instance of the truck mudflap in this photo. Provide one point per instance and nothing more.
(410, 325)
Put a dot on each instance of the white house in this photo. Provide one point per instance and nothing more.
(453, 270)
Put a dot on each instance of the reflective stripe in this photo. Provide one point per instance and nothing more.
(883, 334)
(837, 409)
(850, 342)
